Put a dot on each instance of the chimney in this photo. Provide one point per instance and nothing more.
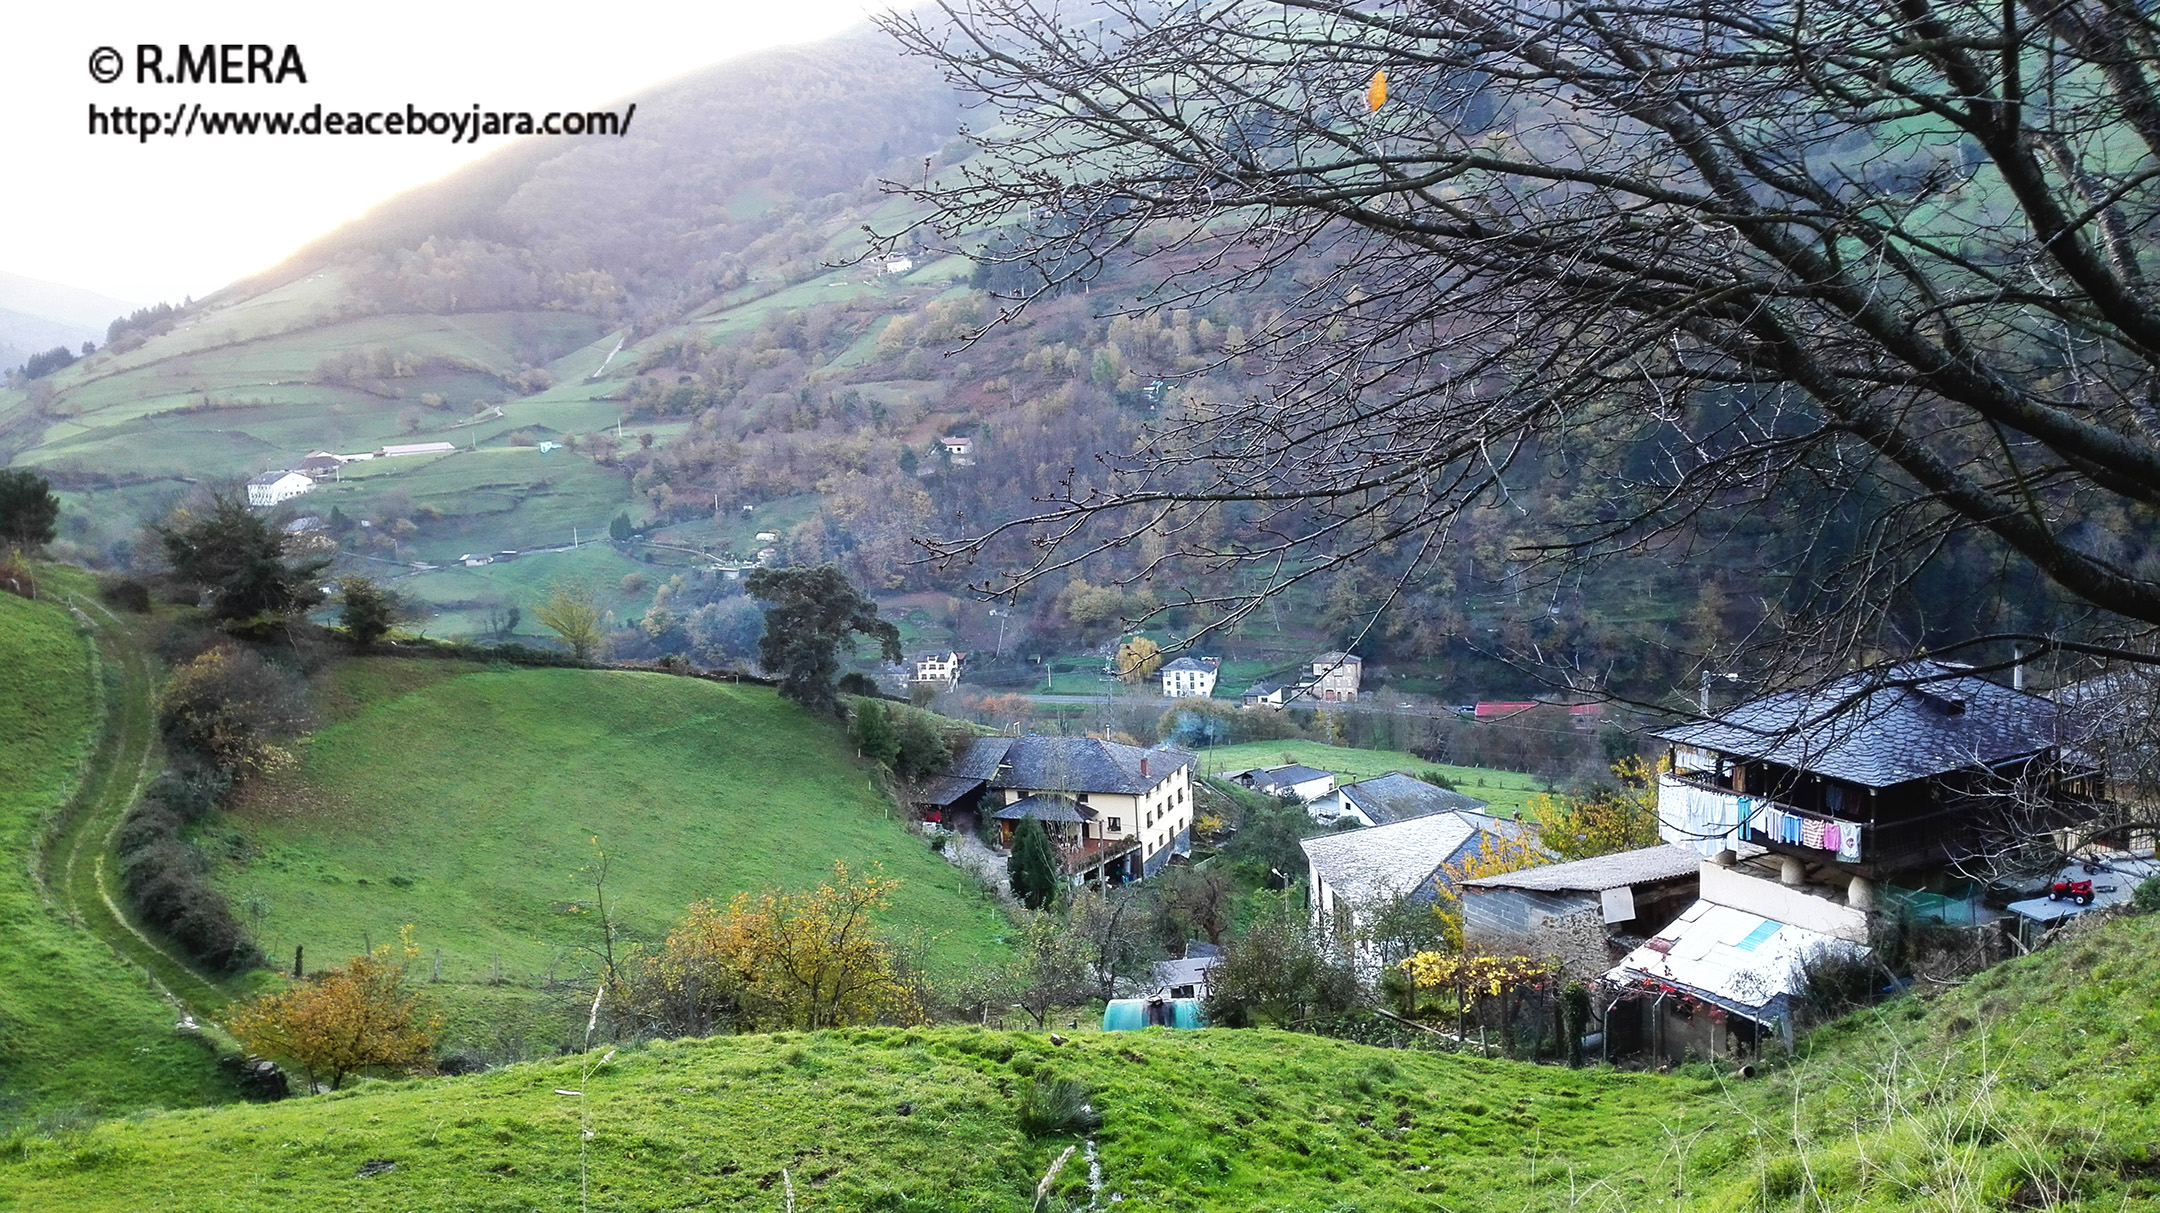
(2017, 671)
(1143, 766)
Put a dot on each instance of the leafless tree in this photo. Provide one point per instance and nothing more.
(1713, 256)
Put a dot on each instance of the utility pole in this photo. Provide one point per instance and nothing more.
(1702, 702)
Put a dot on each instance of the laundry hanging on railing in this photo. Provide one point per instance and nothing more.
(1707, 819)
(1804, 830)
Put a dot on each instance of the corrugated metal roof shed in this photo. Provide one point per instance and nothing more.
(1661, 862)
(1742, 961)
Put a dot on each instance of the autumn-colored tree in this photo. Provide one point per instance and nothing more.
(1498, 855)
(1604, 819)
(777, 959)
(572, 613)
(229, 708)
(1051, 969)
(1470, 979)
(1138, 659)
(339, 1023)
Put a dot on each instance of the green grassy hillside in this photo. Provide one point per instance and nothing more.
(474, 805)
(891, 1119)
(2030, 1087)
(1505, 791)
(79, 1031)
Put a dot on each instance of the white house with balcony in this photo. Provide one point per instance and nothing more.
(937, 669)
(1189, 677)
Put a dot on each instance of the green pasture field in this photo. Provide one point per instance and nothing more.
(897, 1119)
(476, 808)
(2026, 1087)
(737, 532)
(1505, 791)
(80, 1033)
(493, 499)
(464, 596)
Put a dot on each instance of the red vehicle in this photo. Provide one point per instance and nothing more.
(2079, 891)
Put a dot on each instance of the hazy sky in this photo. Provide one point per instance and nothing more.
(184, 216)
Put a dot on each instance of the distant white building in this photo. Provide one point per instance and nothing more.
(937, 669)
(898, 264)
(416, 448)
(961, 447)
(270, 488)
(1189, 677)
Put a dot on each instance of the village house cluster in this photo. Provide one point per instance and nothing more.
(1793, 826)
(282, 485)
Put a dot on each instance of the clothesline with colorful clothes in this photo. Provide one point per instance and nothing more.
(1805, 830)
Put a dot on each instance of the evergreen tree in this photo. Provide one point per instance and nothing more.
(618, 528)
(808, 613)
(28, 509)
(369, 610)
(922, 747)
(1032, 867)
(236, 554)
(873, 733)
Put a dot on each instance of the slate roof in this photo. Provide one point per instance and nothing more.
(1046, 808)
(946, 789)
(1390, 861)
(1934, 718)
(1066, 764)
(1287, 775)
(2110, 712)
(1741, 961)
(1661, 862)
(269, 478)
(1189, 664)
(1385, 799)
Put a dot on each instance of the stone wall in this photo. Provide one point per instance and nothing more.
(1568, 929)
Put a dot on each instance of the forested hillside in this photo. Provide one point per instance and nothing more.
(697, 317)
